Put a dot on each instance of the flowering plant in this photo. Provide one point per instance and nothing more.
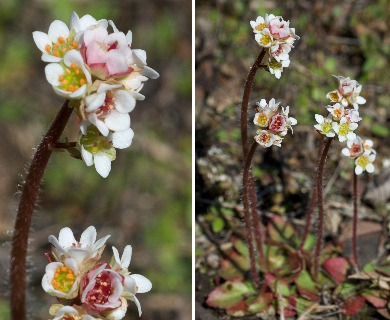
(86, 287)
(103, 76)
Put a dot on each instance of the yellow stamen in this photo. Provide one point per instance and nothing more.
(47, 48)
(61, 40)
(56, 53)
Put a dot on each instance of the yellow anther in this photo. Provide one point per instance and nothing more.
(73, 66)
(64, 269)
(70, 276)
(76, 88)
(75, 44)
(56, 45)
(64, 82)
(82, 82)
(61, 77)
(67, 39)
(61, 40)
(67, 71)
(57, 54)
(77, 71)
(47, 48)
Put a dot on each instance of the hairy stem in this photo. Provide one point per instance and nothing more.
(313, 199)
(27, 203)
(355, 221)
(257, 222)
(245, 101)
(320, 201)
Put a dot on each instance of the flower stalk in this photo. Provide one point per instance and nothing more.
(320, 201)
(355, 221)
(27, 204)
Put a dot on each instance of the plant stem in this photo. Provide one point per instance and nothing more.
(257, 222)
(355, 221)
(245, 101)
(320, 201)
(27, 203)
(313, 199)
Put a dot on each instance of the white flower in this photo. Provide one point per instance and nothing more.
(364, 163)
(265, 112)
(337, 111)
(345, 129)
(84, 23)
(350, 92)
(324, 125)
(69, 79)
(354, 148)
(276, 68)
(261, 23)
(352, 115)
(280, 51)
(56, 42)
(334, 96)
(67, 246)
(264, 38)
(355, 99)
(117, 313)
(70, 313)
(290, 121)
(100, 150)
(266, 139)
(107, 108)
(61, 279)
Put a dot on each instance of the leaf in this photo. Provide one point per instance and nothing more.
(229, 272)
(228, 294)
(337, 268)
(262, 303)
(303, 304)
(354, 305)
(306, 287)
(217, 225)
(309, 243)
(279, 229)
(278, 285)
(374, 297)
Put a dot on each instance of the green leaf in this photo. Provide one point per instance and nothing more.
(217, 225)
(228, 294)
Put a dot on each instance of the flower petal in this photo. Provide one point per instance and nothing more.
(41, 39)
(87, 157)
(58, 29)
(143, 283)
(124, 101)
(88, 237)
(122, 139)
(66, 238)
(102, 164)
(116, 121)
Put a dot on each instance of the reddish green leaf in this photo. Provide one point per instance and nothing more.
(262, 303)
(354, 305)
(228, 294)
(237, 310)
(374, 297)
(229, 272)
(337, 268)
(306, 287)
(278, 285)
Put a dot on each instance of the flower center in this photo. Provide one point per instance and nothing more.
(277, 123)
(72, 79)
(326, 127)
(356, 148)
(337, 113)
(260, 26)
(71, 317)
(262, 120)
(362, 161)
(273, 64)
(265, 39)
(94, 142)
(264, 138)
(61, 47)
(344, 129)
(101, 291)
(63, 279)
(334, 96)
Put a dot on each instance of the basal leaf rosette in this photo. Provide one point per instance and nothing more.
(273, 124)
(70, 77)
(276, 37)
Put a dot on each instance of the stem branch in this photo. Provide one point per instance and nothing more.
(27, 203)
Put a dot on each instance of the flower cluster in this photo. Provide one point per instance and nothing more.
(273, 123)
(343, 117)
(363, 154)
(277, 38)
(342, 120)
(103, 75)
(86, 288)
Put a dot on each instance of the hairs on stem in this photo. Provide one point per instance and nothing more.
(355, 221)
(27, 203)
(320, 201)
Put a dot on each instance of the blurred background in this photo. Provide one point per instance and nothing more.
(349, 38)
(146, 200)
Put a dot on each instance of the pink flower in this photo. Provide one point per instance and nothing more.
(278, 123)
(279, 28)
(101, 289)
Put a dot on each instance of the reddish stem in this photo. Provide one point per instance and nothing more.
(355, 221)
(256, 221)
(320, 229)
(313, 199)
(245, 101)
(27, 203)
